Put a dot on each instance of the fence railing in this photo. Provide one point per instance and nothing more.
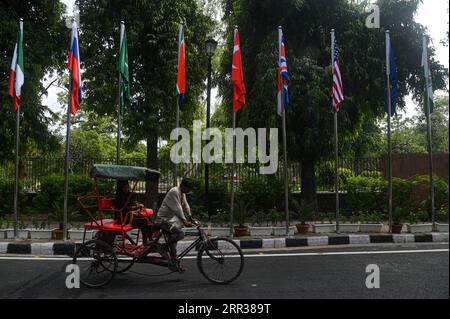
(32, 170)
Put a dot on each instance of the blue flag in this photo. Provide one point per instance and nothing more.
(393, 79)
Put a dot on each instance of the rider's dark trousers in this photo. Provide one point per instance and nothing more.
(174, 234)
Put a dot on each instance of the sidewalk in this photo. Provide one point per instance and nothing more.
(67, 248)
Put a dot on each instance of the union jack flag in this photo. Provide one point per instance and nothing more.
(337, 91)
(283, 78)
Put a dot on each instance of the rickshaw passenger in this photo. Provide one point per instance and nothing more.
(129, 212)
(172, 214)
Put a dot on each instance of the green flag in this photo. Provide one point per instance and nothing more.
(429, 95)
(122, 67)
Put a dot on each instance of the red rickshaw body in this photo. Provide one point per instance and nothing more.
(103, 215)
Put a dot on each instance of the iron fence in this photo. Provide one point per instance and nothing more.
(34, 169)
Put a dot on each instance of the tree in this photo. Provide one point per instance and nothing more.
(307, 25)
(152, 35)
(92, 135)
(45, 39)
(439, 126)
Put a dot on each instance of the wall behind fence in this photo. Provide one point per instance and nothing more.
(409, 165)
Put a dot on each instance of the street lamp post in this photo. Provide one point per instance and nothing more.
(211, 46)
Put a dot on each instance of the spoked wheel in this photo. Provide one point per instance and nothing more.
(220, 260)
(124, 262)
(97, 263)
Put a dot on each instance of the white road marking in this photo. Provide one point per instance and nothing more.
(387, 252)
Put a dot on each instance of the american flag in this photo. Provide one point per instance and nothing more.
(337, 91)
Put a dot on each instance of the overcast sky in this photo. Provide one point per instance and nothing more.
(432, 14)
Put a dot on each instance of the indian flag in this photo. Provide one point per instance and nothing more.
(16, 77)
(427, 75)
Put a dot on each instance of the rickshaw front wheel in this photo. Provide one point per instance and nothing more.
(97, 263)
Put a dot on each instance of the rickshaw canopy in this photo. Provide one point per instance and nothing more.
(120, 172)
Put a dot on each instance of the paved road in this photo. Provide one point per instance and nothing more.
(407, 271)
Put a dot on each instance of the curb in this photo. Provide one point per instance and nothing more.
(68, 248)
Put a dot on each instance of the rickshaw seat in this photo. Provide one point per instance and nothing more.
(108, 225)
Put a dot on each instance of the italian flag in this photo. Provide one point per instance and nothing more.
(429, 95)
(16, 78)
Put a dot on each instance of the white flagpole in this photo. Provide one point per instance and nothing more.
(429, 133)
(177, 124)
(119, 115)
(336, 143)
(283, 110)
(16, 182)
(388, 74)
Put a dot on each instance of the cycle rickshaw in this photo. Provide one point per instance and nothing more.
(115, 249)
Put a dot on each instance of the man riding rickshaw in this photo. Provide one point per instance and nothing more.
(115, 250)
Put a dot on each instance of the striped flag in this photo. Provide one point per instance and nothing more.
(16, 75)
(181, 78)
(337, 91)
(73, 65)
(237, 75)
(283, 76)
(427, 75)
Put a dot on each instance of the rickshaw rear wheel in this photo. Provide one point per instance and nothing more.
(97, 263)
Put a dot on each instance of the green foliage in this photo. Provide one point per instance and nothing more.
(57, 213)
(370, 218)
(302, 211)
(218, 197)
(326, 176)
(263, 193)
(365, 194)
(400, 214)
(152, 34)
(221, 218)
(241, 213)
(442, 216)
(46, 41)
(7, 196)
(306, 26)
(275, 216)
(421, 186)
(371, 174)
(401, 193)
(260, 218)
(52, 191)
(420, 216)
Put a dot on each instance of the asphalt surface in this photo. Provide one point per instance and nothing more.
(406, 271)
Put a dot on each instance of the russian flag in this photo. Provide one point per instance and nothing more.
(76, 95)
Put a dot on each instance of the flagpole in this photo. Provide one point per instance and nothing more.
(119, 106)
(16, 182)
(233, 168)
(66, 164)
(336, 144)
(389, 102)
(429, 135)
(283, 110)
(175, 169)
(66, 168)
